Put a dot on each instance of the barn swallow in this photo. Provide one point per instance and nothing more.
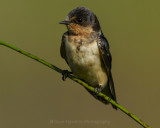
(86, 51)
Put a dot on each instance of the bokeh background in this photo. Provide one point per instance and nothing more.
(34, 96)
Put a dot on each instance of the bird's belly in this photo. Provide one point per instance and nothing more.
(84, 61)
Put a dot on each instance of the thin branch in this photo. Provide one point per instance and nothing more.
(72, 77)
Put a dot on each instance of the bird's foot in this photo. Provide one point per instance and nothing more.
(97, 90)
(65, 74)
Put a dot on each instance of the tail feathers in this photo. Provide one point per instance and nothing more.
(108, 90)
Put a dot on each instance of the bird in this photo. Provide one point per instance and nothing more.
(86, 51)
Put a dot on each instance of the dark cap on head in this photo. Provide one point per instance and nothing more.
(84, 17)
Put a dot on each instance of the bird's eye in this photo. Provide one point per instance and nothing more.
(79, 20)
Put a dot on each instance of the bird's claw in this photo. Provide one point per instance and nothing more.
(97, 90)
(65, 74)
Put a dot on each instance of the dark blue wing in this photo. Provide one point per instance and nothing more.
(63, 49)
(107, 61)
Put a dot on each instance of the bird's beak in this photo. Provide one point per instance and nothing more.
(64, 22)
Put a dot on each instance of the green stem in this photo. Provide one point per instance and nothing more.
(72, 77)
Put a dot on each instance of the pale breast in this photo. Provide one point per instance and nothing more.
(84, 61)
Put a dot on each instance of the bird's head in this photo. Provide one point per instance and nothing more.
(81, 21)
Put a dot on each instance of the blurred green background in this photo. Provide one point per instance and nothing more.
(34, 96)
